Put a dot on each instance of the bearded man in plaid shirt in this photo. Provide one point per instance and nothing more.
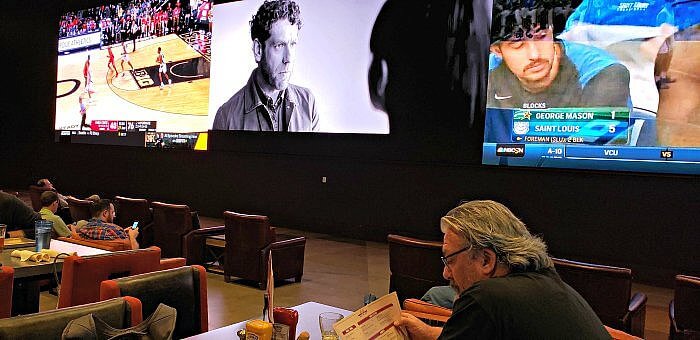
(101, 226)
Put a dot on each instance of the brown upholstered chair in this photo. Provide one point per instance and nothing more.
(35, 192)
(79, 209)
(7, 275)
(130, 210)
(119, 313)
(158, 287)
(684, 309)
(171, 223)
(81, 276)
(608, 291)
(249, 239)
(415, 266)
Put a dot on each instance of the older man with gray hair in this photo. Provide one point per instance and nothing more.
(507, 284)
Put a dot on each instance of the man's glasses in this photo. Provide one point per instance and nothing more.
(445, 259)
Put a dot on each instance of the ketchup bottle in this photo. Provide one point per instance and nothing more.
(289, 317)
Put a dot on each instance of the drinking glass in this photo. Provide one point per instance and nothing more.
(3, 229)
(326, 321)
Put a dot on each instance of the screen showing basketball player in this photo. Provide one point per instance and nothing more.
(596, 85)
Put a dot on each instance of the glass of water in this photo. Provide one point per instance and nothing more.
(326, 321)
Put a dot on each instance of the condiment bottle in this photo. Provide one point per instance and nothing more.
(258, 330)
(288, 317)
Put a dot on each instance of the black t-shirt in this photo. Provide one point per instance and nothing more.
(532, 305)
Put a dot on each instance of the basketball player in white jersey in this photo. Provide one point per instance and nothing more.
(125, 58)
(162, 69)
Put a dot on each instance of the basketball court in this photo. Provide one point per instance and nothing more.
(136, 96)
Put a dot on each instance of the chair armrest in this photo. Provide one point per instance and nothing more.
(417, 305)
(617, 334)
(297, 241)
(193, 243)
(429, 313)
(636, 313)
(171, 263)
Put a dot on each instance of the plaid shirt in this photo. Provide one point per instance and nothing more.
(95, 229)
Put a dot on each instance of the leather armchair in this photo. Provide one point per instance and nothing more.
(684, 309)
(7, 275)
(607, 290)
(81, 276)
(120, 313)
(415, 266)
(171, 223)
(130, 210)
(79, 209)
(249, 240)
(154, 288)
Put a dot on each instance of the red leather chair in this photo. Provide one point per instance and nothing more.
(81, 276)
(130, 210)
(608, 291)
(158, 287)
(7, 275)
(119, 313)
(249, 239)
(684, 309)
(415, 266)
(171, 223)
(79, 209)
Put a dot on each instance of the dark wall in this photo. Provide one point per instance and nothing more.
(647, 222)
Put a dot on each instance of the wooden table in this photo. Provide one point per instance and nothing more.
(29, 274)
(308, 321)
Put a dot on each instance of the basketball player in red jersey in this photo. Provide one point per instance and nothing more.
(162, 69)
(125, 57)
(110, 64)
(87, 75)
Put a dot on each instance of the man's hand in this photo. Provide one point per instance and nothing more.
(416, 329)
(133, 233)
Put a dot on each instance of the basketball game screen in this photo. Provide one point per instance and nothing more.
(608, 85)
(135, 73)
(162, 73)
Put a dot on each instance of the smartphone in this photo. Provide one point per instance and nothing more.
(135, 225)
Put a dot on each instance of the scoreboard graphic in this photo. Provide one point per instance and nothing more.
(594, 137)
(571, 125)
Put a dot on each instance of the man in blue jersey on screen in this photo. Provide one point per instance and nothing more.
(268, 102)
(531, 69)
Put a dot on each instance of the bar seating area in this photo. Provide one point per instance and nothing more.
(350, 170)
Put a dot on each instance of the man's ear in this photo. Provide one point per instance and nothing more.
(496, 49)
(378, 77)
(257, 50)
(488, 261)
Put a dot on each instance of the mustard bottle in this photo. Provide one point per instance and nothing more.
(258, 330)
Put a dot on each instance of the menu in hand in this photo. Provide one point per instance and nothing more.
(374, 321)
